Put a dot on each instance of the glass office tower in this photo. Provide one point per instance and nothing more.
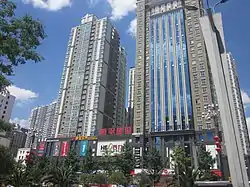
(172, 77)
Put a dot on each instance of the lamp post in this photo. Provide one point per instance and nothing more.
(211, 111)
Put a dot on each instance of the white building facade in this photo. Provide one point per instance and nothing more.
(87, 99)
(6, 105)
(41, 124)
(238, 104)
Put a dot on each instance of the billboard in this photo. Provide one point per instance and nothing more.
(56, 149)
(41, 149)
(64, 148)
(112, 147)
(83, 148)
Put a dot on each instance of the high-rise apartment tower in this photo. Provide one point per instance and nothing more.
(41, 124)
(131, 88)
(172, 82)
(92, 79)
(238, 104)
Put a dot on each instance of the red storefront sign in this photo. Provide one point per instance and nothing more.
(65, 148)
(41, 149)
(117, 131)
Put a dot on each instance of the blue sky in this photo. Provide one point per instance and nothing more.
(38, 84)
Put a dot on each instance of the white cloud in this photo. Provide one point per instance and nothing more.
(52, 5)
(93, 3)
(22, 122)
(245, 98)
(23, 96)
(121, 8)
(132, 27)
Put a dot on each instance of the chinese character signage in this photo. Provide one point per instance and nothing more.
(77, 138)
(83, 148)
(116, 131)
(65, 148)
(56, 149)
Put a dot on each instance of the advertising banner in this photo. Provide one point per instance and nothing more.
(56, 149)
(41, 149)
(83, 148)
(65, 148)
(112, 147)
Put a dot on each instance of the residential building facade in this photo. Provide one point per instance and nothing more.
(131, 88)
(41, 124)
(238, 104)
(17, 139)
(6, 105)
(92, 75)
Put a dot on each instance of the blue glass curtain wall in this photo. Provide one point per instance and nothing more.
(169, 61)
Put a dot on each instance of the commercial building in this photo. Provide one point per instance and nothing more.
(17, 139)
(172, 82)
(6, 105)
(238, 104)
(92, 94)
(41, 124)
(131, 88)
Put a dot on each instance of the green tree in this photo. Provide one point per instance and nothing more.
(205, 159)
(185, 172)
(154, 165)
(126, 161)
(206, 163)
(99, 178)
(6, 163)
(86, 179)
(36, 169)
(19, 39)
(72, 161)
(6, 126)
(89, 163)
(108, 163)
(19, 178)
(61, 176)
(117, 178)
(143, 180)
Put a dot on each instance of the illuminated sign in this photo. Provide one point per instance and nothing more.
(110, 147)
(84, 138)
(116, 131)
(65, 148)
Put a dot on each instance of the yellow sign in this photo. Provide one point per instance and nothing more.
(85, 138)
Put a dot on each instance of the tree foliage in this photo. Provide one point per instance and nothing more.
(19, 177)
(6, 126)
(6, 163)
(205, 159)
(154, 164)
(19, 39)
(89, 163)
(126, 161)
(117, 178)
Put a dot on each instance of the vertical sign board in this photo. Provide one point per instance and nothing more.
(56, 149)
(64, 148)
(41, 149)
(83, 148)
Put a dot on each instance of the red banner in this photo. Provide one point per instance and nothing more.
(41, 148)
(65, 148)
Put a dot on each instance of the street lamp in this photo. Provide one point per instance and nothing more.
(212, 111)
